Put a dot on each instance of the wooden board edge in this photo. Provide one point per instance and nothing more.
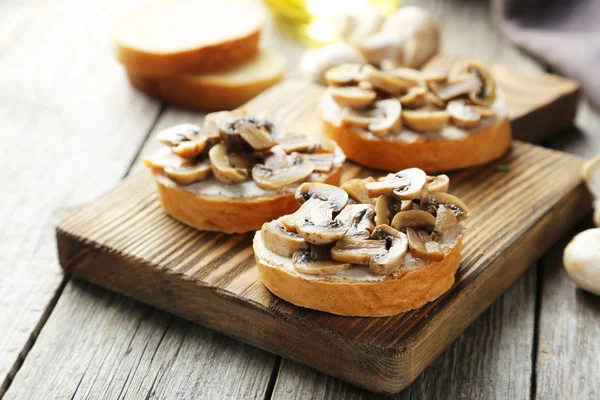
(260, 327)
(426, 339)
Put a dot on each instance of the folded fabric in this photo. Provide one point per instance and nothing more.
(563, 33)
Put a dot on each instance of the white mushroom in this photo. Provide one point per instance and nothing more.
(357, 190)
(425, 120)
(282, 170)
(582, 260)
(392, 119)
(407, 184)
(384, 80)
(315, 195)
(357, 250)
(221, 167)
(316, 62)
(320, 228)
(393, 258)
(317, 261)
(188, 174)
(343, 74)
(463, 115)
(352, 96)
(280, 241)
(353, 28)
(322, 162)
(416, 219)
(439, 183)
(422, 246)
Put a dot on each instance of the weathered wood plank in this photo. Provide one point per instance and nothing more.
(567, 361)
(119, 349)
(70, 128)
(478, 365)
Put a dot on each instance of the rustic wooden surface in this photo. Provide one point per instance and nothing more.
(517, 349)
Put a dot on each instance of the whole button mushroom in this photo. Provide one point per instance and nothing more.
(582, 260)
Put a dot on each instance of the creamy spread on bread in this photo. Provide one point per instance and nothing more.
(408, 104)
(247, 155)
(374, 228)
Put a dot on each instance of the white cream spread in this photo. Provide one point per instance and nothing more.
(357, 272)
(332, 113)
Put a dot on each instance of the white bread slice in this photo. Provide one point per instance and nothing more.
(216, 91)
(171, 37)
(356, 292)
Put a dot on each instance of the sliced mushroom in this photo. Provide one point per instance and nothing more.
(411, 77)
(190, 149)
(280, 241)
(384, 80)
(292, 169)
(417, 219)
(357, 190)
(343, 74)
(439, 183)
(437, 75)
(242, 160)
(362, 118)
(448, 91)
(297, 143)
(320, 227)
(185, 175)
(360, 218)
(462, 115)
(317, 261)
(352, 96)
(221, 167)
(422, 246)
(425, 120)
(484, 111)
(357, 251)
(176, 134)
(158, 161)
(487, 95)
(230, 136)
(415, 97)
(315, 195)
(383, 210)
(445, 219)
(460, 209)
(432, 99)
(323, 162)
(397, 246)
(407, 184)
(258, 137)
(392, 118)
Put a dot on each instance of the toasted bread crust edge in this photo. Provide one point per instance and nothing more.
(200, 93)
(212, 213)
(195, 61)
(391, 296)
(430, 155)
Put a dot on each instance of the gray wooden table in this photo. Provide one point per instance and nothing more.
(72, 128)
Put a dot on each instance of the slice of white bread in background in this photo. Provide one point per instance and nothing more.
(216, 91)
(171, 37)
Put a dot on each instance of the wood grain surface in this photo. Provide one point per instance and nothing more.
(126, 243)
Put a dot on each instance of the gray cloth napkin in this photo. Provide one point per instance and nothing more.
(563, 33)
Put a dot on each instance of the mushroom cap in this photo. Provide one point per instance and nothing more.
(392, 120)
(295, 168)
(280, 241)
(222, 168)
(463, 115)
(393, 258)
(352, 96)
(173, 135)
(343, 74)
(417, 219)
(188, 174)
(336, 197)
(426, 120)
(316, 62)
(582, 260)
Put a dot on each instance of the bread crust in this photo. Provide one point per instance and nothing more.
(202, 93)
(390, 296)
(431, 155)
(230, 215)
(200, 60)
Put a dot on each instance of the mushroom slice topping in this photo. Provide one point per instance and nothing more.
(323, 162)
(407, 184)
(383, 209)
(357, 251)
(157, 162)
(258, 137)
(437, 75)
(317, 261)
(483, 111)
(384, 80)
(417, 219)
(411, 77)
(242, 160)
(361, 119)
(487, 95)
(176, 134)
(190, 149)
(280, 241)
(439, 183)
(188, 174)
(297, 143)
(448, 91)
(460, 209)
(433, 100)
(445, 219)
(274, 175)
(360, 218)
(415, 97)
(422, 246)
(320, 227)
(343, 74)
(392, 118)
(223, 170)
(315, 195)
(352, 96)
(357, 190)
(425, 120)
(397, 246)
(463, 115)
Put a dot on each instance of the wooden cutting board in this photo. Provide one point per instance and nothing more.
(124, 242)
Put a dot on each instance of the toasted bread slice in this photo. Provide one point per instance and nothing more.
(224, 90)
(356, 292)
(187, 37)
